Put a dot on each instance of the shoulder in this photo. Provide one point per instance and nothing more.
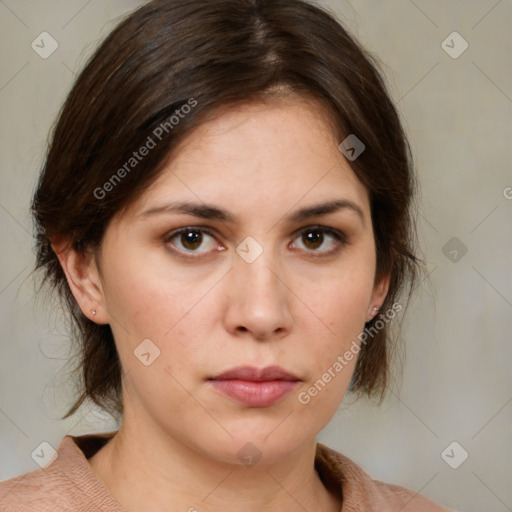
(406, 499)
(361, 492)
(43, 490)
(65, 482)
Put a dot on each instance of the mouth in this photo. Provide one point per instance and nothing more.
(255, 387)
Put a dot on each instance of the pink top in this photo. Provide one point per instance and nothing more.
(69, 484)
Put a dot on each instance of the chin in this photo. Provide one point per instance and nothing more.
(264, 441)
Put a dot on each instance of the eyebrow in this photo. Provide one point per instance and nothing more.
(209, 211)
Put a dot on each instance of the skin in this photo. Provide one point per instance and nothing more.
(299, 305)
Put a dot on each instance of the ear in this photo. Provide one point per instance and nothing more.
(380, 290)
(84, 280)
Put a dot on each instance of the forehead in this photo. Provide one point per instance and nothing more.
(282, 129)
(259, 155)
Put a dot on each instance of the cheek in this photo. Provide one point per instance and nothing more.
(176, 311)
(341, 298)
(149, 294)
(332, 339)
(341, 321)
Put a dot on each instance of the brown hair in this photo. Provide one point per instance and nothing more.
(211, 54)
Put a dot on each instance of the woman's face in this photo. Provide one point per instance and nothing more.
(253, 249)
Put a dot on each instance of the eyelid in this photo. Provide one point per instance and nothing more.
(327, 229)
(202, 229)
(338, 235)
(190, 255)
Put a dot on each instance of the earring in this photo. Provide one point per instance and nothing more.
(93, 312)
(375, 309)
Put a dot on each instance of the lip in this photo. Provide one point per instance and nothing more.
(255, 387)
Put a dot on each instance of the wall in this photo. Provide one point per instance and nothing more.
(457, 383)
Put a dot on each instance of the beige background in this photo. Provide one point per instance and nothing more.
(457, 383)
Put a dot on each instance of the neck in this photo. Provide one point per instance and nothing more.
(147, 470)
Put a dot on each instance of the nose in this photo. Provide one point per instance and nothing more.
(258, 304)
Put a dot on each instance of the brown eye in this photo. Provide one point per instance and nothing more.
(192, 240)
(319, 239)
(313, 239)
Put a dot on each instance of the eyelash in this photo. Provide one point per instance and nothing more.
(338, 236)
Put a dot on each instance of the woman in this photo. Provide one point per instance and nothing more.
(225, 210)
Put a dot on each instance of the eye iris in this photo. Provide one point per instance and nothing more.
(313, 239)
(191, 239)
